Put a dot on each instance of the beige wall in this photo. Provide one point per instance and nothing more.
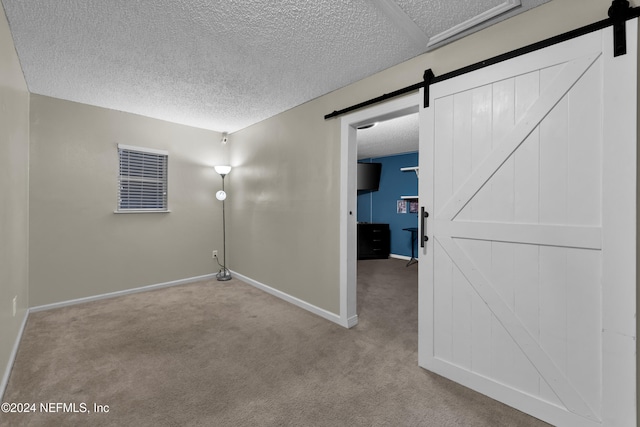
(78, 246)
(14, 185)
(283, 203)
(285, 189)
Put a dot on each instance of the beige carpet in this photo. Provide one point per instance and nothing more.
(226, 354)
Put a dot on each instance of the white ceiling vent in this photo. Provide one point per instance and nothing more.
(477, 20)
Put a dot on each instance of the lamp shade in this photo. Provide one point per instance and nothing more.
(223, 170)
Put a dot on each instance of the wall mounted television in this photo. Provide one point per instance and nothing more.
(368, 176)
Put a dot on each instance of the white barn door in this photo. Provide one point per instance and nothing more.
(527, 280)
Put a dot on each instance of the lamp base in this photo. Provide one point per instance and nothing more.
(223, 275)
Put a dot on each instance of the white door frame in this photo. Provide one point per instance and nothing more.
(348, 194)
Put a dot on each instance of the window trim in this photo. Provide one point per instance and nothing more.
(165, 153)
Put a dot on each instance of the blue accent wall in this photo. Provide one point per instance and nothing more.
(380, 206)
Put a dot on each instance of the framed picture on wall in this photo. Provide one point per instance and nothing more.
(413, 206)
(401, 206)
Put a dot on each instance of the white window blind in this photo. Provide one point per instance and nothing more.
(142, 179)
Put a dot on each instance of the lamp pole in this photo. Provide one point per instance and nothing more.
(222, 195)
(225, 273)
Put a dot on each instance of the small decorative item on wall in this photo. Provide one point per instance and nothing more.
(401, 206)
(413, 206)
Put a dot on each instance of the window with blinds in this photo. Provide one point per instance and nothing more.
(142, 179)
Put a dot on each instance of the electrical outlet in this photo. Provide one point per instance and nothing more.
(15, 304)
(214, 254)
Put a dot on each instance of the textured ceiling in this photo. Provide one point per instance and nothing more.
(396, 136)
(221, 65)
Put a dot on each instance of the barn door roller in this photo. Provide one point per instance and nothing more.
(427, 78)
(619, 12)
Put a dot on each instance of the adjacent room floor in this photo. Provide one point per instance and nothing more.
(227, 354)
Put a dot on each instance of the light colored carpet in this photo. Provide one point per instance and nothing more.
(226, 354)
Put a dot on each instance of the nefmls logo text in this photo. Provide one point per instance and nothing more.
(63, 407)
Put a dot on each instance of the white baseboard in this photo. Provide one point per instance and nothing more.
(296, 301)
(12, 356)
(120, 293)
(351, 322)
(406, 258)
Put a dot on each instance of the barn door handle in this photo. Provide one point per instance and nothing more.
(423, 216)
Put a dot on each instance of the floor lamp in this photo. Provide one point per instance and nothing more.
(223, 274)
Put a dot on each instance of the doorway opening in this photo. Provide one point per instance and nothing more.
(348, 194)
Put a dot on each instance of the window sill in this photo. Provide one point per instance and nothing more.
(140, 211)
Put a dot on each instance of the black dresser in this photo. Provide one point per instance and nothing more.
(373, 241)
